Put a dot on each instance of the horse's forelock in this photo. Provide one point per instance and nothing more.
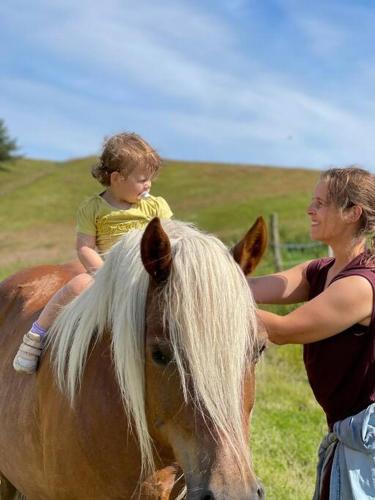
(212, 326)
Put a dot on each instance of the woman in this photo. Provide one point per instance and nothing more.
(336, 326)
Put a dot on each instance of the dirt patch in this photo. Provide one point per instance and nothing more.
(50, 244)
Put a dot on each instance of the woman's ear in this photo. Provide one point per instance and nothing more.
(353, 214)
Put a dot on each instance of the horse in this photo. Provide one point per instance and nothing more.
(150, 367)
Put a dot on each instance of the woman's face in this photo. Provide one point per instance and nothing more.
(327, 222)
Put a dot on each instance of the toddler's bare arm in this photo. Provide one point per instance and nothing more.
(87, 254)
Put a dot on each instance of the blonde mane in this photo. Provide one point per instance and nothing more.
(211, 321)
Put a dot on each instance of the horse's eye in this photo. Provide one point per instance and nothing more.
(160, 357)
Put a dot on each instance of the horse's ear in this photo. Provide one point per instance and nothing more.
(248, 252)
(156, 251)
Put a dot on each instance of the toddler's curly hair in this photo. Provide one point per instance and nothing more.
(123, 153)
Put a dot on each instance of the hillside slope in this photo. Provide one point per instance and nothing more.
(38, 201)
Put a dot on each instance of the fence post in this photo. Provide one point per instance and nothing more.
(275, 242)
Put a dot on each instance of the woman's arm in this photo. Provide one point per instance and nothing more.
(87, 254)
(345, 302)
(287, 287)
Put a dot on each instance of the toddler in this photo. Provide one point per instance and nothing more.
(126, 169)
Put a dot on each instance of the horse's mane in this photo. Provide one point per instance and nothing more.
(210, 314)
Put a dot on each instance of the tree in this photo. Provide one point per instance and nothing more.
(8, 146)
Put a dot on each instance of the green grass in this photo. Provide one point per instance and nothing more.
(38, 201)
(287, 426)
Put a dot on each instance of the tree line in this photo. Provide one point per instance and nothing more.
(8, 146)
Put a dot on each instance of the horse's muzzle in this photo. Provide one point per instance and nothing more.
(257, 494)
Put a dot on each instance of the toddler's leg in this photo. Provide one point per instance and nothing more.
(27, 357)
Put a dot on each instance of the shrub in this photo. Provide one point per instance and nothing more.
(8, 146)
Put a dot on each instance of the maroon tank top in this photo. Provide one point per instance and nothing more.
(341, 369)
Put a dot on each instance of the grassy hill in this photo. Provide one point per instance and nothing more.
(38, 200)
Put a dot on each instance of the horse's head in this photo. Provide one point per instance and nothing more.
(201, 346)
(180, 317)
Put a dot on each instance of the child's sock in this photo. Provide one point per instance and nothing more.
(36, 328)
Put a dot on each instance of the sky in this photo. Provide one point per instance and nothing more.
(273, 82)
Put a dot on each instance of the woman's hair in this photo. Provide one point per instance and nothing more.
(123, 153)
(354, 186)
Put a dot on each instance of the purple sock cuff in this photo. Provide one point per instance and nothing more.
(36, 328)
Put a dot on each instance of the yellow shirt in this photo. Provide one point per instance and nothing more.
(98, 218)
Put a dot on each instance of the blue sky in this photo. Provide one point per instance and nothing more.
(283, 82)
